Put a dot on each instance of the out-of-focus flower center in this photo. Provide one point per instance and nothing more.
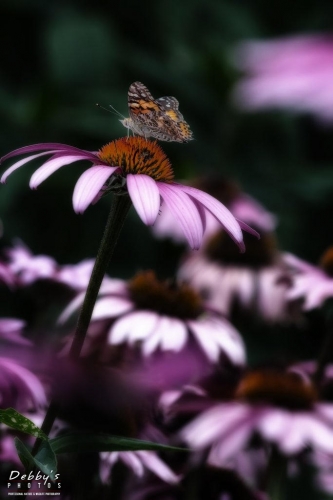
(164, 297)
(224, 190)
(136, 155)
(259, 252)
(326, 261)
(286, 390)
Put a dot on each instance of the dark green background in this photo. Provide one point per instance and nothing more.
(60, 58)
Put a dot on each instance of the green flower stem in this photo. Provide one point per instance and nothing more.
(117, 215)
(115, 222)
(277, 475)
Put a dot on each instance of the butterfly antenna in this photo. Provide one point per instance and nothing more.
(112, 110)
(117, 112)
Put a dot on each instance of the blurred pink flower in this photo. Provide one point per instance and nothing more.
(141, 168)
(242, 206)
(323, 462)
(6, 275)
(8, 451)
(26, 268)
(11, 330)
(294, 73)
(162, 316)
(311, 283)
(257, 281)
(19, 387)
(281, 408)
(138, 462)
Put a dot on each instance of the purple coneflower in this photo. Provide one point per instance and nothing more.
(257, 281)
(311, 283)
(162, 315)
(19, 387)
(242, 206)
(139, 167)
(11, 331)
(294, 73)
(282, 408)
(138, 462)
(324, 464)
(26, 268)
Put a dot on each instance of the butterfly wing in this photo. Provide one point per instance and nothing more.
(158, 118)
(140, 102)
(172, 126)
(167, 103)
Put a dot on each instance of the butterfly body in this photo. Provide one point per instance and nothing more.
(158, 118)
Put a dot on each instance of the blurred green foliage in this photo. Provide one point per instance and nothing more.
(60, 58)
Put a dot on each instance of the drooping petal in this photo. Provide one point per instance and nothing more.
(213, 424)
(89, 185)
(320, 434)
(295, 436)
(204, 338)
(233, 441)
(174, 334)
(72, 306)
(135, 326)
(273, 424)
(110, 307)
(28, 387)
(325, 411)
(248, 229)
(145, 196)
(51, 166)
(47, 146)
(114, 286)
(185, 212)
(131, 459)
(156, 465)
(216, 336)
(220, 212)
(20, 163)
(169, 333)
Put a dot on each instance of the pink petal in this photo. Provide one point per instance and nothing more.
(62, 148)
(89, 185)
(248, 229)
(220, 212)
(156, 465)
(145, 196)
(273, 424)
(184, 211)
(295, 435)
(51, 166)
(231, 443)
(19, 164)
(169, 333)
(135, 326)
(320, 435)
(204, 338)
(174, 333)
(110, 307)
(9, 325)
(72, 306)
(216, 335)
(325, 410)
(213, 424)
(113, 286)
(131, 459)
(26, 378)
